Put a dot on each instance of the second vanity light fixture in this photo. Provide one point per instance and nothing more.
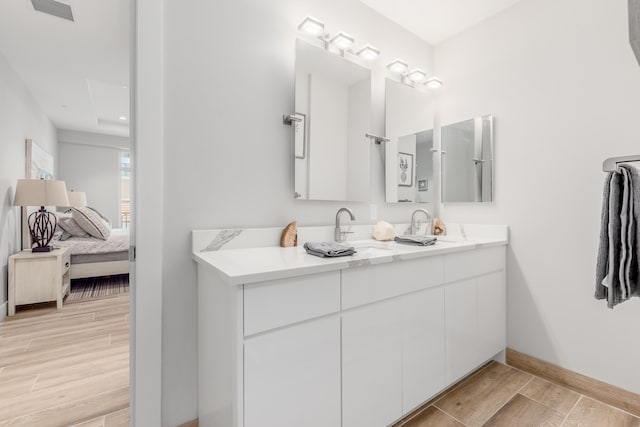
(343, 41)
(415, 76)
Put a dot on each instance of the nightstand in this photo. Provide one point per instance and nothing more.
(38, 277)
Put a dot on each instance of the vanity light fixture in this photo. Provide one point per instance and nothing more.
(417, 75)
(343, 41)
(433, 83)
(398, 66)
(312, 26)
(368, 52)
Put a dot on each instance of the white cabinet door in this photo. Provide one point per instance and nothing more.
(461, 308)
(492, 315)
(371, 365)
(292, 376)
(423, 355)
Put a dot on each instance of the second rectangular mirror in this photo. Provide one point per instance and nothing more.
(408, 155)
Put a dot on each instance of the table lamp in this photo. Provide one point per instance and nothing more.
(77, 198)
(42, 224)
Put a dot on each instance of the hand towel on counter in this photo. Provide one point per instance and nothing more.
(618, 266)
(328, 249)
(416, 240)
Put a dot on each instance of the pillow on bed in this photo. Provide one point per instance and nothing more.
(91, 222)
(70, 226)
(64, 236)
(104, 218)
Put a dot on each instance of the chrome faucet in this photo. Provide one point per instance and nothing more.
(414, 229)
(341, 236)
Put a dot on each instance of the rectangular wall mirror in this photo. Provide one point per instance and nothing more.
(333, 105)
(467, 161)
(408, 154)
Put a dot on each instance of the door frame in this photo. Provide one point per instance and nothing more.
(146, 221)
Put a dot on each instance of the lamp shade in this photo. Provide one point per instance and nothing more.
(40, 192)
(77, 198)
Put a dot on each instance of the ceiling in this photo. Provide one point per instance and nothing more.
(437, 20)
(77, 71)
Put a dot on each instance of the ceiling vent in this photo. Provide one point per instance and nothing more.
(54, 8)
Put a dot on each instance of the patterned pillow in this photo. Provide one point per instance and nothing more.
(104, 218)
(69, 225)
(91, 222)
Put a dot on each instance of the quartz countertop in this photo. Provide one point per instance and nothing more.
(257, 264)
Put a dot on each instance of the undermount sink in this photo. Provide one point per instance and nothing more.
(448, 239)
(368, 244)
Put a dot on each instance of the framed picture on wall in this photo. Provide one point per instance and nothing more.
(38, 163)
(300, 131)
(405, 170)
(423, 185)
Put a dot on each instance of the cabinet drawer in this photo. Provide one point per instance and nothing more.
(474, 263)
(36, 280)
(365, 285)
(276, 303)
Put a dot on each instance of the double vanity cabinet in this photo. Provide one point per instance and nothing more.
(360, 341)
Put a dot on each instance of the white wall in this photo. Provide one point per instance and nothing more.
(96, 171)
(228, 159)
(328, 133)
(358, 146)
(564, 86)
(21, 118)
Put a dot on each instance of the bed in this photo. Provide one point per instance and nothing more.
(91, 257)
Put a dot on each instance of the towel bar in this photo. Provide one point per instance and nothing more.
(611, 164)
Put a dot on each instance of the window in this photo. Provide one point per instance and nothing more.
(125, 188)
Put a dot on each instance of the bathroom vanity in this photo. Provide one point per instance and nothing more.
(288, 339)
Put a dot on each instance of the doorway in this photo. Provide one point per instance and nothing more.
(65, 81)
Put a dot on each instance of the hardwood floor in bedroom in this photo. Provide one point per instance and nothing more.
(67, 367)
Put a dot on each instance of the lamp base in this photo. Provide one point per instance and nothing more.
(42, 225)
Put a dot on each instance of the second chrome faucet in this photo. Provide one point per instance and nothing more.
(414, 227)
(341, 236)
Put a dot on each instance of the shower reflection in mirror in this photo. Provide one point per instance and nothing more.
(467, 161)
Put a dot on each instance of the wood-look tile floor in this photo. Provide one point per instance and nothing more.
(501, 396)
(67, 367)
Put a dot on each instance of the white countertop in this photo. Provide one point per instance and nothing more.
(257, 264)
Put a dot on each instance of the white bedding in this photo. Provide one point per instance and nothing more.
(118, 241)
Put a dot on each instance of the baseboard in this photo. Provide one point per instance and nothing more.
(3, 310)
(582, 384)
(192, 423)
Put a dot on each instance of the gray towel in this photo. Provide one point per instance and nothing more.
(328, 249)
(618, 266)
(416, 240)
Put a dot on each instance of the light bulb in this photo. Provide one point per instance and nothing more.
(434, 83)
(343, 41)
(417, 75)
(312, 26)
(398, 66)
(368, 52)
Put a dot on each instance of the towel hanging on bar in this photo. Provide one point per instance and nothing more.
(618, 264)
